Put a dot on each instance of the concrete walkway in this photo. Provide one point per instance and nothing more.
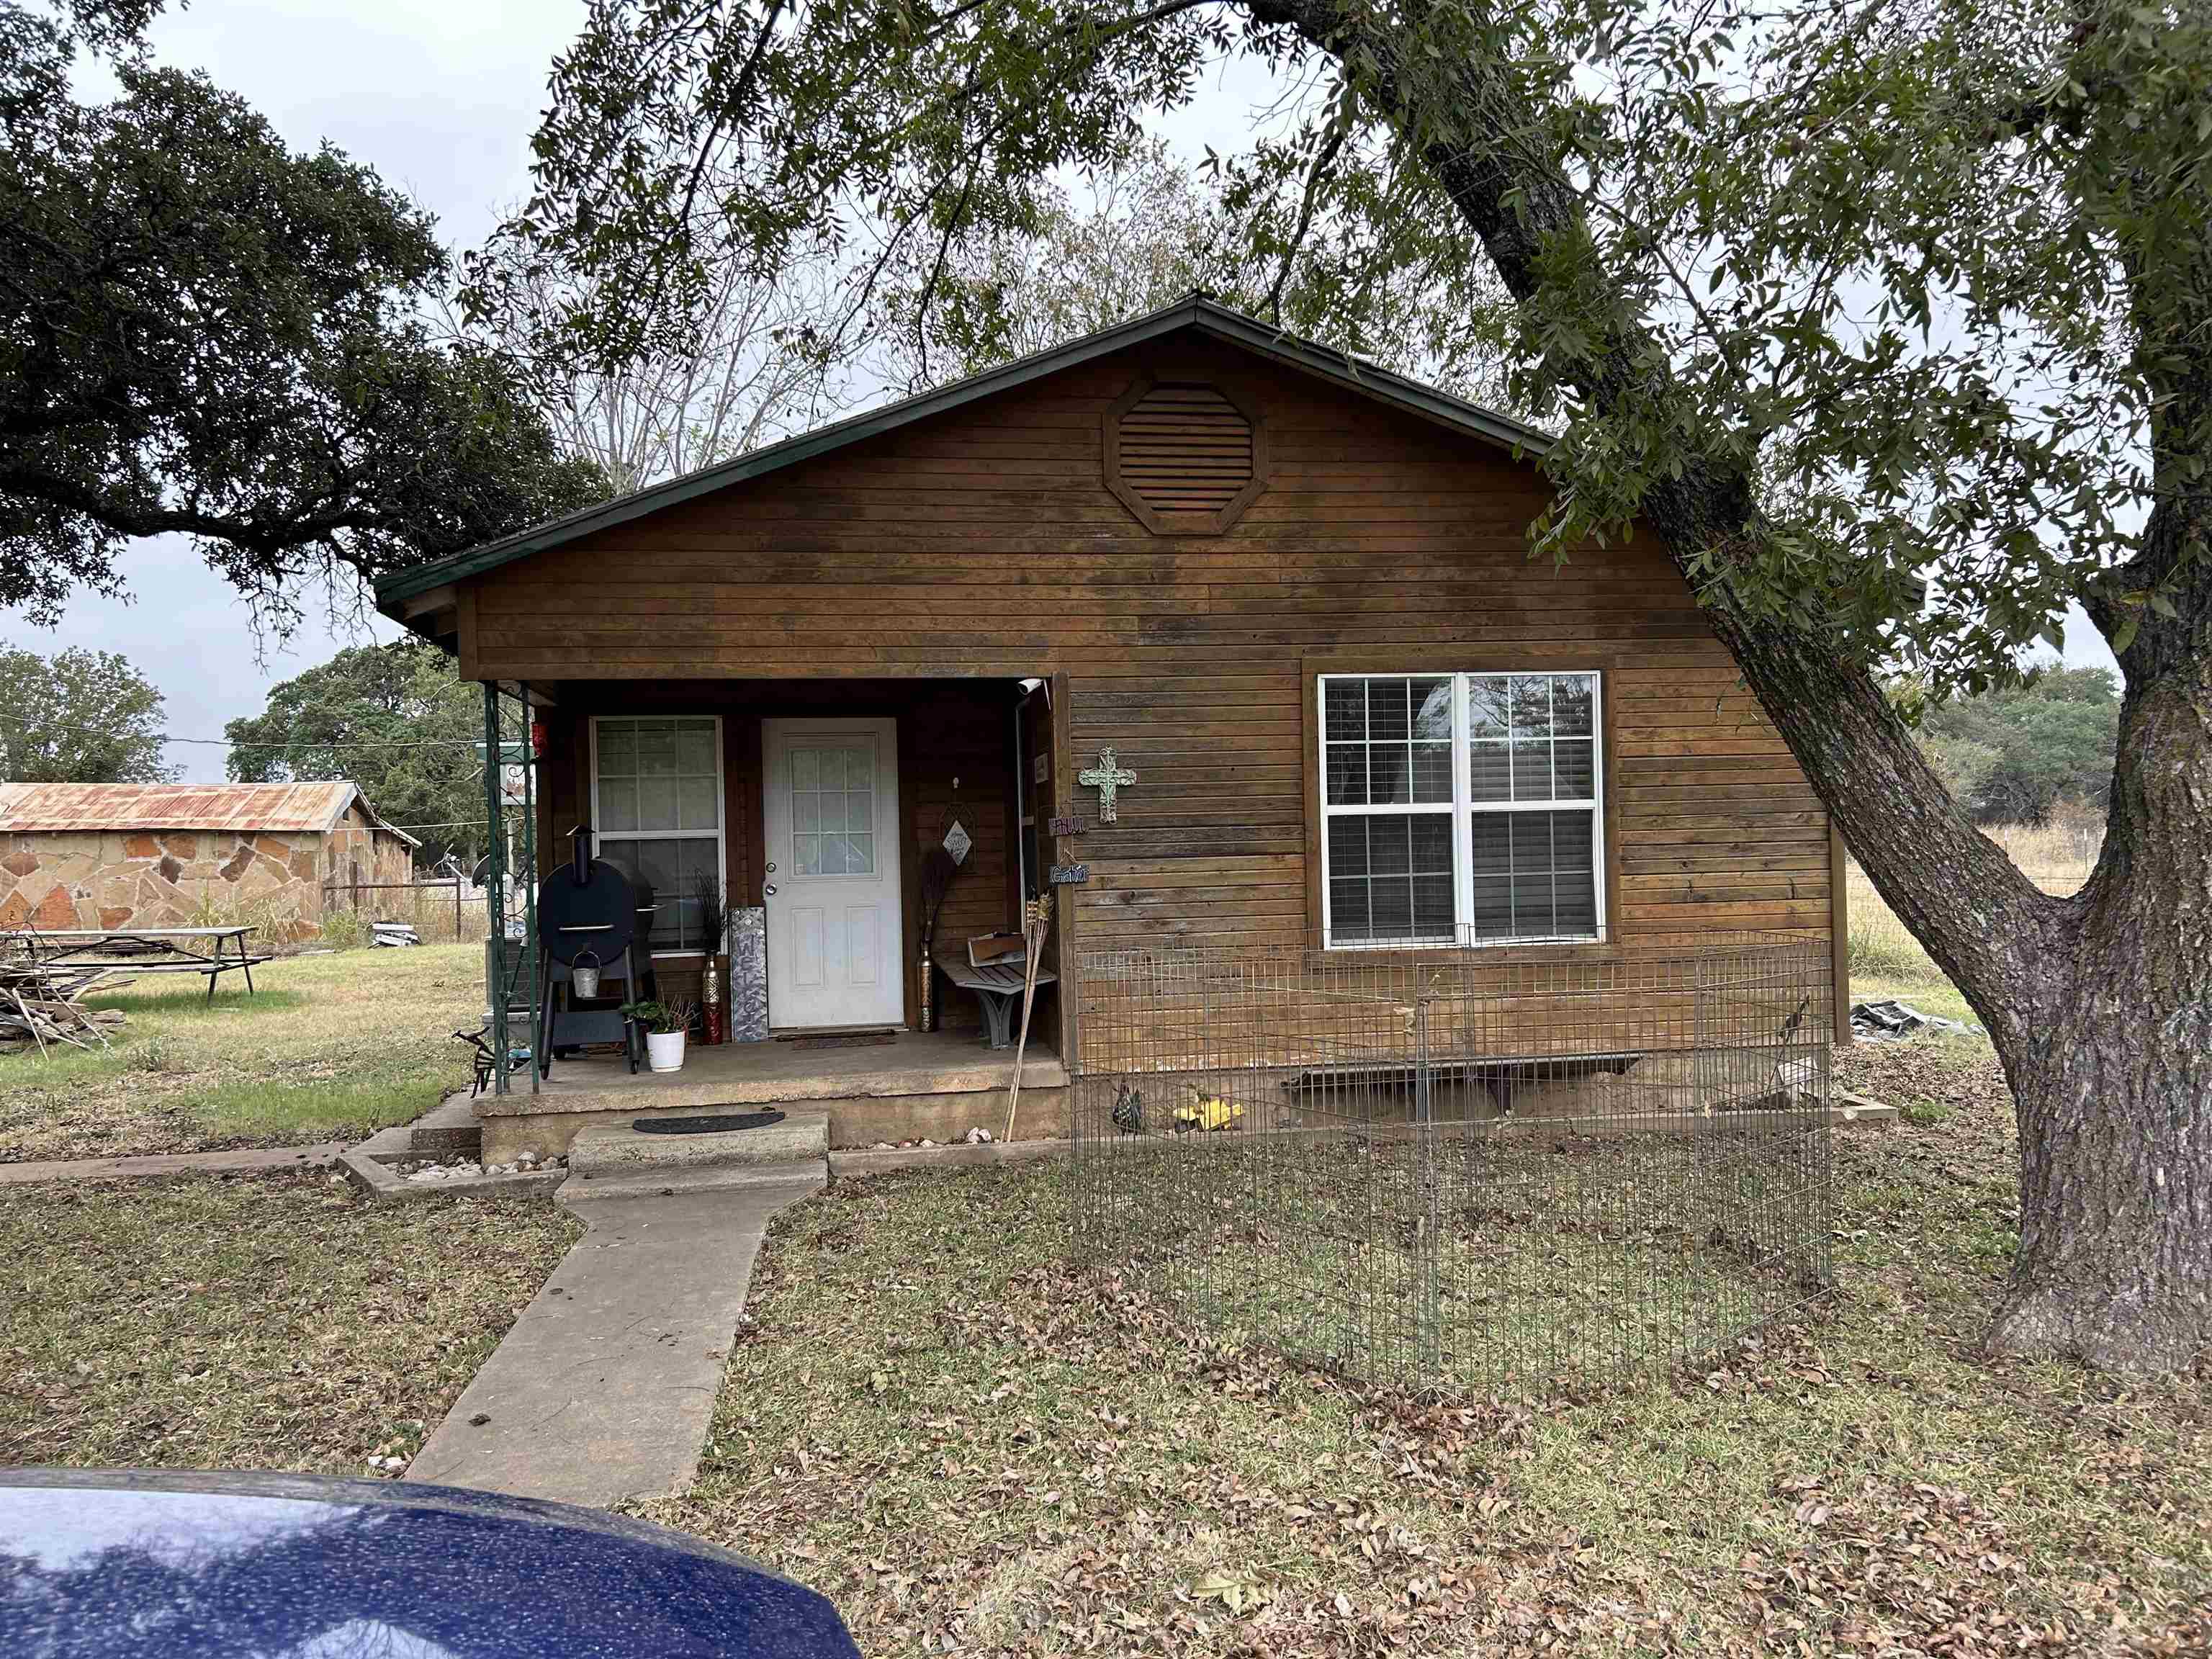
(249, 1160)
(605, 1387)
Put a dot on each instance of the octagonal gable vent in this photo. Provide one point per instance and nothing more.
(1186, 458)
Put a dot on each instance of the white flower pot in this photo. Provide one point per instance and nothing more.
(664, 1050)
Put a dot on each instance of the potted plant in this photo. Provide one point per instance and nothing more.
(665, 1028)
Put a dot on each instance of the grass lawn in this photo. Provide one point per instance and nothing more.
(274, 1322)
(968, 1446)
(327, 1047)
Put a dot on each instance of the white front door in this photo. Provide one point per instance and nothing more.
(830, 879)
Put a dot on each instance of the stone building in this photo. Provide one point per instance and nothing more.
(167, 855)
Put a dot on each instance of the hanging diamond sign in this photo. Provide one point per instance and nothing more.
(956, 843)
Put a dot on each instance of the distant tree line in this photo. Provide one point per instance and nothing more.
(2016, 753)
(78, 717)
(395, 719)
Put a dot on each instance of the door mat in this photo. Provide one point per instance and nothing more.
(706, 1126)
(845, 1040)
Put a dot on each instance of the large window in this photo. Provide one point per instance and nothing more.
(1461, 809)
(657, 806)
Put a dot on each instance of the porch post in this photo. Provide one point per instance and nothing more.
(494, 894)
(530, 884)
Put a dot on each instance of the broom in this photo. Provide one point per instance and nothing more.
(1036, 924)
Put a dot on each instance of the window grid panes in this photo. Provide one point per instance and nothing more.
(833, 811)
(1461, 807)
(657, 790)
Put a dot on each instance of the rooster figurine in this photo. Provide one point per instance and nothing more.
(1128, 1110)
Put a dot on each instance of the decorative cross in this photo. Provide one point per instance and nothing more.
(1106, 777)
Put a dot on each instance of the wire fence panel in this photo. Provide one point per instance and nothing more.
(1463, 1173)
(437, 910)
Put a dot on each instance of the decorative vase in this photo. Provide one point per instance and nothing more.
(714, 1001)
(929, 1019)
(664, 1050)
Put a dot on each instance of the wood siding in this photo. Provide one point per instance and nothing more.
(985, 543)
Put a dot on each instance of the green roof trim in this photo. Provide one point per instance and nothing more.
(1198, 311)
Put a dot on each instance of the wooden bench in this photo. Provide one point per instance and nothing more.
(998, 986)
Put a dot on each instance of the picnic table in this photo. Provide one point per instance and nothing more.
(213, 952)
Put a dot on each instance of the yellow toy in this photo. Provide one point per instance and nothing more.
(1208, 1112)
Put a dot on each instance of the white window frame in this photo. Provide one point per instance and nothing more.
(1462, 808)
(722, 808)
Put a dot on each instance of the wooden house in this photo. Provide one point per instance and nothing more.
(1282, 598)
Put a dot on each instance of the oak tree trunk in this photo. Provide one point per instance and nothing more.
(2100, 1005)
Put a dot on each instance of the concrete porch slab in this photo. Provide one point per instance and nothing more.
(774, 1072)
(619, 1149)
(936, 1085)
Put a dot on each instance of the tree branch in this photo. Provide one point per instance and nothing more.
(260, 537)
(1324, 158)
(1984, 923)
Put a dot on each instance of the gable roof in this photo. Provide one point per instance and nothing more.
(1197, 312)
(240, 808)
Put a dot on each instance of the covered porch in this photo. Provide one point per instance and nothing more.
(912, 1086)
(814, 812)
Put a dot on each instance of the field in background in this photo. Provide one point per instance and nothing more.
(328, 1046)
(1887, 960)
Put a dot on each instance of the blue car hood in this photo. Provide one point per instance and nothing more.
(165, 1565)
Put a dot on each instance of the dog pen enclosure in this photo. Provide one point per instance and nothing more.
(1469, 1173)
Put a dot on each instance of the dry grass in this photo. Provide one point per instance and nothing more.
(275, 1322)
(1885, 955)
(328, 1046)
(429, 910)
(966, 1446)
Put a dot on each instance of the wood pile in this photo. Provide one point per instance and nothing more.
(42, 1008)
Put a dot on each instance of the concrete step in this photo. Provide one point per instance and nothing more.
(802, 1138)
(668, 1181)
(447, 1129)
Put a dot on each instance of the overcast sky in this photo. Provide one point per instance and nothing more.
(440, 97)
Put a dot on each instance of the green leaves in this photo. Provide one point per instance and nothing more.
(393, 718)
(203, 332)
(2012, 753)
(78, 717)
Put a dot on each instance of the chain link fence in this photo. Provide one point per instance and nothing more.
(1470, 1176)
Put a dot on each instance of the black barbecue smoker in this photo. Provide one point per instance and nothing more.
(593, 926)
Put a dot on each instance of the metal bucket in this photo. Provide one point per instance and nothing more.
(584, 974)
